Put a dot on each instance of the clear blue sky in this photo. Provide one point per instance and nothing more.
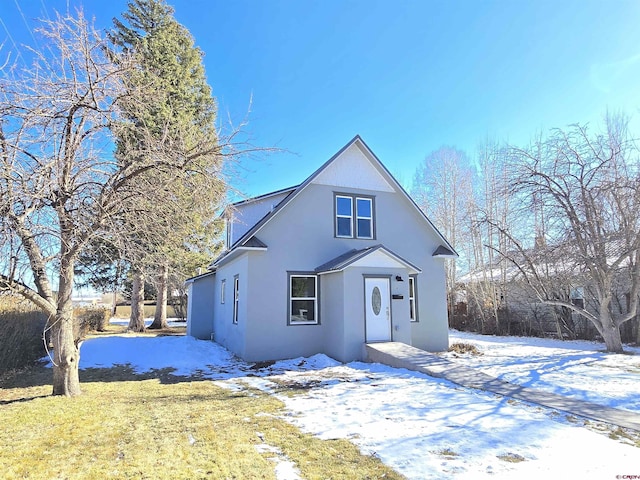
(408, 76)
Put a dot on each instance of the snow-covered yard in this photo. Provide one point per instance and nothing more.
(425, 427)
(577, 369)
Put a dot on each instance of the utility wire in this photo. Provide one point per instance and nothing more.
(10, 37)
(26, 24)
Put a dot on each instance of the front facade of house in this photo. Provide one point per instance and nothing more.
(343, 259)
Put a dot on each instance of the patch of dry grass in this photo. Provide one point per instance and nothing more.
(158, 426)
(625, 435)
(511, 458)
(465, 348)
(447, 453)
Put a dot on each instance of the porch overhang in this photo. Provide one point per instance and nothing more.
(376, 256)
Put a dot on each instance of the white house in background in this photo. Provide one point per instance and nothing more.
(343, 259)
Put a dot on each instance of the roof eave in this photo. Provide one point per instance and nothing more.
(198, 277)
(235, 253)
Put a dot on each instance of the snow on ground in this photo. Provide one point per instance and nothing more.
(421, 426)
(577, 369)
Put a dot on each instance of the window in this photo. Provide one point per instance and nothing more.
(413, 311)
(350, 207)
(364, 217)
(236, 291)
(344, 216)
(577, 296)
(223, 285)
(229, 231)
(303, 299)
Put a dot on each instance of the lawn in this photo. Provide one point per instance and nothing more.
(161, 425)
(170, 406)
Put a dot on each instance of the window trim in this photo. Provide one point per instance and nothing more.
(413, 299)
(316, 299)
(236, 301)
(223, 287)
(354, 217)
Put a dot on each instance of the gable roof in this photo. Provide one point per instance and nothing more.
(357, 140)
(352, 257)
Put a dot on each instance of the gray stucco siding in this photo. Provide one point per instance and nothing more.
(246, 215)
(228, 334)
(431, 331)
(269, 335)
(301, 238)
(201, 307)
(333, 305)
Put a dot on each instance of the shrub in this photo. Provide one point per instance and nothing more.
(22, 328)
(90, 319)
(21, 338)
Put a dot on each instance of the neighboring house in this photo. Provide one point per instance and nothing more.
(496, 298)
(343, 259)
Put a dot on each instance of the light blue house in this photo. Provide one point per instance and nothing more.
(343, 259)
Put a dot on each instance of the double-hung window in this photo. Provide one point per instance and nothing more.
(303, 299)
(413, 311)
(344, 216)
(354, 216)
(364, 217)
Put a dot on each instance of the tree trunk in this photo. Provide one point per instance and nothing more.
(114, 303)
(66, 352)
(610, 332)
(160, 317)
(136, 322)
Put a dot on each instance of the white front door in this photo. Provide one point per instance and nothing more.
(377, 309)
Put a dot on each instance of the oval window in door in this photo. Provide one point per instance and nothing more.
(376, 301)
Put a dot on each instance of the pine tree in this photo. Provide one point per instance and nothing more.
(177, 120)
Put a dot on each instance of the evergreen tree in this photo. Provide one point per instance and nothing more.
(177, 120)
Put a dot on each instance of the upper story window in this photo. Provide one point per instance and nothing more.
(354, 216)
(228, 223)
(303, 299)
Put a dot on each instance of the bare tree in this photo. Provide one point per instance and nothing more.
(60, 184)
(56, 186)
(494, 201)
(588, 187)
(443, 190)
